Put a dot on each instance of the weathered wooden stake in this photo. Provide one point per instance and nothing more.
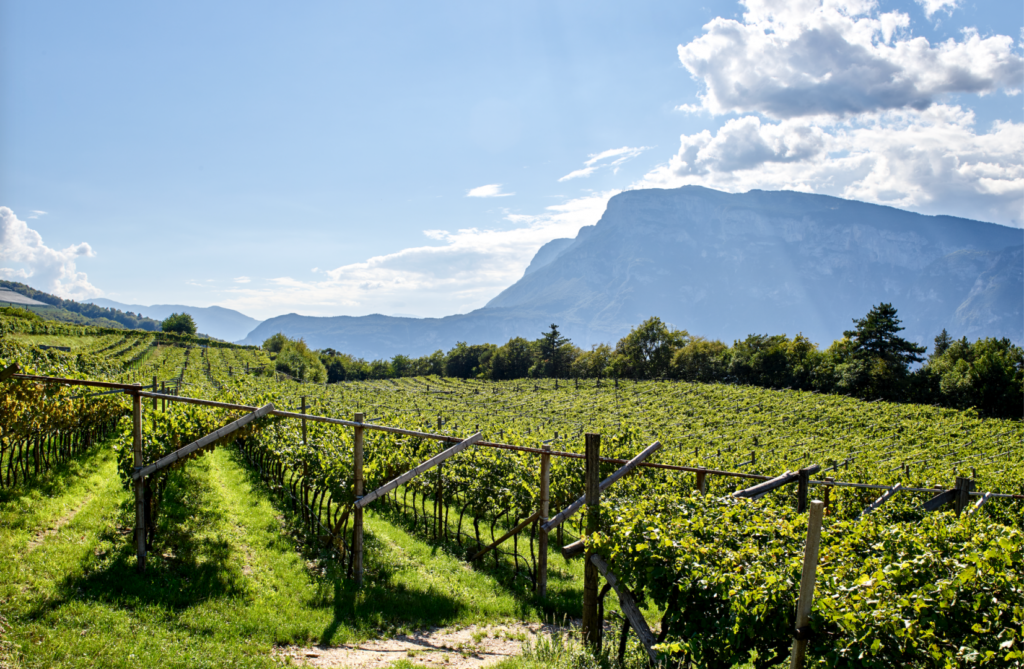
(163, 402)
(357, 522)
(803, 483)
(963, 486)
(591, 624)
(154, 390)
(807, 578)
(303, 420)
(140, 499)
(545, 510)
(702, 481)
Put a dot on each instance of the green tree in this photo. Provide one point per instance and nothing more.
(702, 360)
(555, 354)
(649, 348)
(297, 361)
(274, 343)
(592, 364)
(512, 361)
(987, 375)
(467, 362)
(876, 337)
(179, 323)
(942, 342)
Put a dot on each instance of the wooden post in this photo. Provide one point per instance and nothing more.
(140, 499)
(964, 486)
(304, 420)
(545, 510)
(828, 492)
(702, 481)
(591, 624)
(803, 483)
(154, 390)
(807, 578)
(163, 402)
(357, 522)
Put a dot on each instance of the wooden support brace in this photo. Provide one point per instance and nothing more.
(201, 443)
(416, 471)
(940, 500)
(758, 491)
(982, 501)
(9, 372)
(886, 496)
(508, 535)
(629, 607)
(568, 512)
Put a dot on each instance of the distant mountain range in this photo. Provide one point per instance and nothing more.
(724, 266)
(217, 322)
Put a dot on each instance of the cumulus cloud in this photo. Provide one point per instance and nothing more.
(931, 161)
(490, 190)
(611, 158)
(932, 6)
(461, 272)
(795, 58)
(26, 257)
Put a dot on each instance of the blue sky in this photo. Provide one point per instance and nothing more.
(409, 158)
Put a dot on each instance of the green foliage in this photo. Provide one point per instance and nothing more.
(649, 348)
(465, 362)
(888, 594)
(274, 343)
(554, 355)
(512, 361)
(24, 314)
(179, 323)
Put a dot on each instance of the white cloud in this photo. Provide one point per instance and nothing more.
(930, 161)
(932, 6)
(490, 190)
(462, 273)
(36, 213)
(26, 257)
(611, 158)
(241, 279)
(789, 59)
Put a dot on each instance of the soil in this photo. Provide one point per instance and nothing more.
(456, 648)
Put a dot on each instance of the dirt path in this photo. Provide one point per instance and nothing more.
(458, 648)
(43, 535)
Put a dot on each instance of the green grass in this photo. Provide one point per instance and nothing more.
(225, 582)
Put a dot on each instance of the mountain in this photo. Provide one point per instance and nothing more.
(80, 313)
(723, 266)
(217, 322)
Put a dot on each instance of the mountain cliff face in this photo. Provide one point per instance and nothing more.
(724, 266)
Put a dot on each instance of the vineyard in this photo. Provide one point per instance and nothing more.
(911, 581)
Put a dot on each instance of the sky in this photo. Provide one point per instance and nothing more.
(339, 158)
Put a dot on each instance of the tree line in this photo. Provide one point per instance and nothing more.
(871, 361)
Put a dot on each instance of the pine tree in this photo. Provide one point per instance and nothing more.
(942, 343)
(876, 338)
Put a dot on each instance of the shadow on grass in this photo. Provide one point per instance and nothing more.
(383, 602)
(56, 481)
(564, 594)
(188, 564)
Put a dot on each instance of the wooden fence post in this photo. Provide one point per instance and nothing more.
(163, 402)
(702, 484)
(963, 486)
(803, 483)
(303, 420)
(154, 390)
(357, 522)
(591, 624)
(545, 510)
(140, 498)
(807, 578)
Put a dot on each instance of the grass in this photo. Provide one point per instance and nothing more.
(224, 585)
